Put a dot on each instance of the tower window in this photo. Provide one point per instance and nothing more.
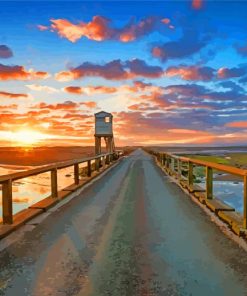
(107, 119)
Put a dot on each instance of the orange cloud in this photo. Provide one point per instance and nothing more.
(225, 73)
(20, 73)
(100, 29)
(73, 89)
(166, 21)
(90, 90)
(191, 72)
(237, 124)
(60, 106)
(89, 104)
(12, 95)
(8, 107)
(197, 4)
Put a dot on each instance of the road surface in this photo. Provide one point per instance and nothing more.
(133, 232)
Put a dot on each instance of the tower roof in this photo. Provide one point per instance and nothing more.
(103, 114)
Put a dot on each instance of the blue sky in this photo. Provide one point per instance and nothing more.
(170, 73)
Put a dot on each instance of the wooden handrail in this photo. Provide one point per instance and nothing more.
(47, 168)
(209, 174)
(217, 166)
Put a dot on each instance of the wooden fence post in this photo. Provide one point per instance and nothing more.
(164, 159)
(76, 174)
(103, 162)
(245, 203)
(209, 182)
(179, 169)
(97, 164)
(89, 168)
(168, 163)
(7, 202)
(54, 191)
(172, 165)
(190, 174)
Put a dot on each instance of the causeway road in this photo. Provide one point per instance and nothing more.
(131, 232)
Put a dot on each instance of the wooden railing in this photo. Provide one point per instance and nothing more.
(7, 180)
(174, 164)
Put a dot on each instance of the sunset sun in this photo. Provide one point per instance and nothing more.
(27, 137)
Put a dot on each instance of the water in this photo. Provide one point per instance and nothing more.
(33, 189)
(229, 192)
(30, 190)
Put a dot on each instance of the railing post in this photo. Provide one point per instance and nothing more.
(76, 174)
(54, 190)
(179, 169)
(168, 163)
(172, 165)
(103, 162)
(190, 174)
(209, 182)
(245, 203)
(7, 202)
(164, 159)
(89, 168)
(107, 161)
(97, 164)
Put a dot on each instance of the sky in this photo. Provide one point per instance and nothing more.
(170, 72)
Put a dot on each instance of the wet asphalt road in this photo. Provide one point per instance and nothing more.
(133, 232)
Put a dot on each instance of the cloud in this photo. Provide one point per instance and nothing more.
(5, 52)
(8, 95)
(142, 129)
(242, 50)
(90, 90)
(67, 105)
(188, 44)
(45, 88)
(20, 73)
(226, 73)
(114, 70)
(237, 124)
(243, 80)
(140, 68)
(43, 28)
(197, 4)
(8, 108)
(191, 72)
(60, 106)
(100, 29)
(195, 35)
(90, 104)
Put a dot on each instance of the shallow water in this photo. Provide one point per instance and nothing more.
(229, 192)
(30, 190)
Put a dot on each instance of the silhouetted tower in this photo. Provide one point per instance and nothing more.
(103, 129)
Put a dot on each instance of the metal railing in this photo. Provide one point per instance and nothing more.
(175, 165)
(7, 180)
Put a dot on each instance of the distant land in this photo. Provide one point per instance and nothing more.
(199, 149)
(35, 156)
(228, 155)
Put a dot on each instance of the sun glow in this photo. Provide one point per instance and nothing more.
(25, 137)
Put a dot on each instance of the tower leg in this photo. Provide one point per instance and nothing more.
(97, 145)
